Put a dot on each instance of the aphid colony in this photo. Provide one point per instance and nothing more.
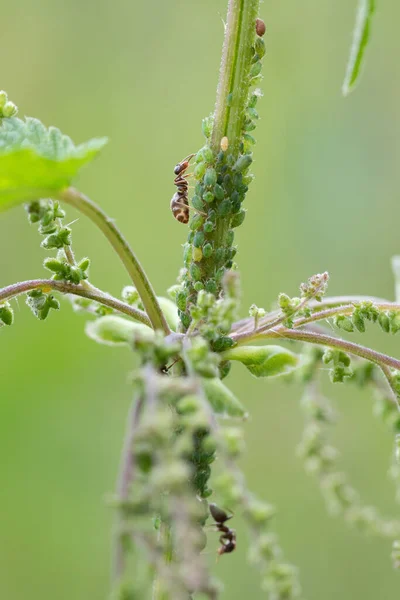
(179, 202)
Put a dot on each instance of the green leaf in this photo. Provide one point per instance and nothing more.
(361, 33)
(222, 400)
(170, 312)
(264, 361)
(117, 331)
(36, 161)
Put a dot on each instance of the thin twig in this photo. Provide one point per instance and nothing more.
(63, 287)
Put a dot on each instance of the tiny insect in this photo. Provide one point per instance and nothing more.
(224, 144)
(228, 537)
(260, 27)
(179, 202)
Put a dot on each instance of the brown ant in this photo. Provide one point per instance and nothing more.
(228, 537)
(179, 202)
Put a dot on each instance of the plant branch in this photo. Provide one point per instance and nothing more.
(327, 302)
(322, 340)
(341, 310)
(239, 33)
(125, 479)
(63, 287)
(81, 202)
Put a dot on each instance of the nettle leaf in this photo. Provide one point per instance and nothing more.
(264, 361)
(222, 400)
(36, 161)
(117, 331)
(365, 11)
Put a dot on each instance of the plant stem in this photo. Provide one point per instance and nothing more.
(236, 53)
(320, 339)
(125, 479)
(63, 287)
(341, 310)
(81, 202)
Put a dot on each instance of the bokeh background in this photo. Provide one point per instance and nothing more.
(325, 198)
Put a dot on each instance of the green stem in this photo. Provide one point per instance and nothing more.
(81, 202)
(341, 310)
(63, 287)
(236, 56)
(322, 340)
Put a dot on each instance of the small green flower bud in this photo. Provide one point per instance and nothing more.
(260, 512)
(6, 314)
(358, 321)
(3, 99)
(384, 322)
(238, 218)
(198, 286)
(344, 322)
(54, 265)
(188, 405)
(181, 300)
(211, 286)
(243, 162)
(130, 294)
(9, 110)
(394, 322)
(84, 264)
(210, 177)
(185, 319)
(222, 343)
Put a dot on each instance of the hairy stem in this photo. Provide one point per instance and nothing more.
(322, 340)
(239, 34)
(341, 310)
(125, 479)
(81, 202)
(63, 287)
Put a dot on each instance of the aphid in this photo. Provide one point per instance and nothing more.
(224, 144)
(179, 202)
(260, 27)
(228, 537)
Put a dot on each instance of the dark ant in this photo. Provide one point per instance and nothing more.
(228, 537)
(179, 202)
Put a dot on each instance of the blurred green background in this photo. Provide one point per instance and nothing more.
(325, 197)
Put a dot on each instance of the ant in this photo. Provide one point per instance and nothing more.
(228, 537)
(179, 202)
